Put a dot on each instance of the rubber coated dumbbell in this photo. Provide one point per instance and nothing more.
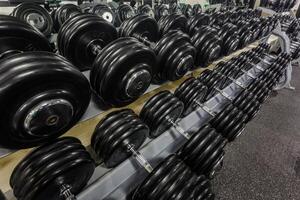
(160, 11)
(119, 135)
(35, 15)
(56, 170)
(42, 94)
(104, 11)
(146, 10)
(204, 151)
(63, 13)
(125, 64)
(172, 179)
(175, 54)
(123, 12)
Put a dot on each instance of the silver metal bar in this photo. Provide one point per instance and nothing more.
(140, 158)
(178, 128)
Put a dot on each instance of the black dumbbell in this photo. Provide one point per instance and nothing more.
(63, 13)
(56, 170)
(124, 64)
(104, 11)
(123, 12)
(118, 136)
(160, 11)
(230, 122)
(146, 10)
(208, 45)
(205, 39)
(161, 112)
(42, 94)
(171, 22)
(172, 179)
(191, 92)
(35, 15)
(204, 151)
(230, 38)
(175, 54)
(197, 21)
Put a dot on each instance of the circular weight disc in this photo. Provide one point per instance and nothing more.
(76, 178)
(142, 26)
(35, 15)
(153, 178)
(56, 173)
(146, 10)
(105, 12)
(63, 13)
(76, 40)
(46, 81)
(17, 35)
(127, 64)
(173, 112)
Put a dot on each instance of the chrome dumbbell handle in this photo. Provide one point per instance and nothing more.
(139, 158)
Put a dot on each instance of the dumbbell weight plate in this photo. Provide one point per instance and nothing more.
(238, 118)
(44, 110)
(128, 69)
(160, 11)
(172, 22)
(35, 15)
(217, 152)
(141, 25)
(156, 102)
(153, 178)
(105, 12)
(194, 141)
(124, 12)
(197, 94)
(136, 135)
(177, 184)
(63, 13)
(147, 10)
(173, 112)
(225, 115)
(199, 148)
(35, 153)
(42, 182)
(20, 36)
(187, 189)
(227, 119)
(109, 130)
(210, 147)
(74, 41)
(28, 176)
(236, 131)
(173, 65)
(168, 178)
(105, 122)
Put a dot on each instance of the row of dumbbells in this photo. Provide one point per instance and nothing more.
(60, 169)
(55, 96)
(47, 23)
(278, 5)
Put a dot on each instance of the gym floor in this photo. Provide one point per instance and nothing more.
(264, 163)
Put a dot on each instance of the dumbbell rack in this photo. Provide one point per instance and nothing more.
(118, 182)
